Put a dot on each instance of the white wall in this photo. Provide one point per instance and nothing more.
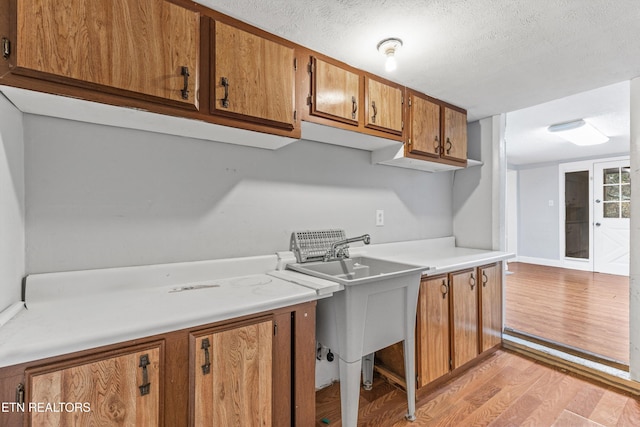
(472, 195)
(478, 192)
(12, 249)
(512, 211)
(100, 196)
(634, 256)
(538, 224)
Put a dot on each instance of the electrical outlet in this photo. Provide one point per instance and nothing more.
(379, 218)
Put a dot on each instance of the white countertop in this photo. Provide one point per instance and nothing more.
(65, 314)
(73, 311)
(438, 256)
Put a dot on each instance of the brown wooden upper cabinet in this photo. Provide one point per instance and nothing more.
(437, 131)
(252, 77)
(454, 135)
(335, 92)
(148, 48)
(383, 106)
(424, 127)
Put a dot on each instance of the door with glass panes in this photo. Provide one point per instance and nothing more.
(612, 205)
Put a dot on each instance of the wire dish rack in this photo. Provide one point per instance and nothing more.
(313, 245)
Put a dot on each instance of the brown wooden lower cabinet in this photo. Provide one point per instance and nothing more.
(490, 287)
(464, 317)
(254, 370)
(459, 317)
(433, 330)
(233, 375)
(121, 387)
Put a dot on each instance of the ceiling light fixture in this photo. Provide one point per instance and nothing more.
(578, 132)
(388, 47)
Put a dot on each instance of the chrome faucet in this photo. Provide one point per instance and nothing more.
(338, 248)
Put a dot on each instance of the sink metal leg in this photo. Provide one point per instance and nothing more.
(410, 378)
(367, 371)
(349, 392)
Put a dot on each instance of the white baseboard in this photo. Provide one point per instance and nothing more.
(578, 265)
(540, 261)
(571, 265)
(514, 259)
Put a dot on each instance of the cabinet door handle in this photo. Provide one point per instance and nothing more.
(485, 279)
(206, 368)
(144, 362)
(20, 393)
(375, 111)
(6, 48)
(449, 145)
(436, 145)
(185, 89)
(472, 281)
(225, 101)
(354, 107)
(444, 289)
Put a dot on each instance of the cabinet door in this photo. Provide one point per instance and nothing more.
(383, 106)
(335, 92)
(253, 77)
(490, 277)
(464, 295)
(432, 330)
(121, 389)
(233, 377)
(141, 46)
(424, 127)
(454, 139)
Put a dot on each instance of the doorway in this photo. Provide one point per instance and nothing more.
(576, 218)
(612, 208)
(594, 200)
(572, 310)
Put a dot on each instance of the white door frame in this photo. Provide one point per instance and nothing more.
(568, 262)
(511, 214)
(585, 165)
(609, 257)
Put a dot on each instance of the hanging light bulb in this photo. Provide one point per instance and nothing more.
(388, 47)
(390, 64)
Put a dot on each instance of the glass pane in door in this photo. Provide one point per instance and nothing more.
(616, 190)
(611, 176)
(576, 214)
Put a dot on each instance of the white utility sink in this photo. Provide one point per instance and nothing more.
(354, 271)
(377, 308)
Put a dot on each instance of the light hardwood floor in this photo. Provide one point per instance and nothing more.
(585, 310)
(506, 389)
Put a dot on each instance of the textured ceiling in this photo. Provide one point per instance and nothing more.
(606, 109)
(487, 56)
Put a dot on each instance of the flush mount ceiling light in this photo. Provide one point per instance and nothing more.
(578, 132)
(388, 47)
